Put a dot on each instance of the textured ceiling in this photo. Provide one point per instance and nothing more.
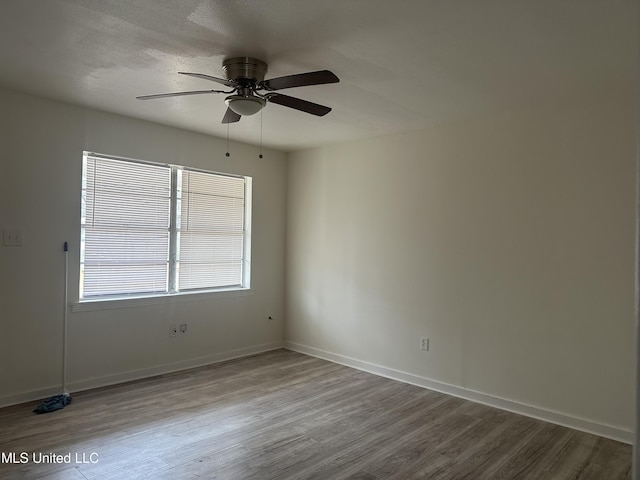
(403, 64)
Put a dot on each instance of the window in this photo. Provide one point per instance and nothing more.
(150, 229)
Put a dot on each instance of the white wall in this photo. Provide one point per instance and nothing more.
(507, 240)
(41, 157)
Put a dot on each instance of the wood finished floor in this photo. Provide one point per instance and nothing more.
(283, 415)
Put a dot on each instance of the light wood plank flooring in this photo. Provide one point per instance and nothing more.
(283, 415)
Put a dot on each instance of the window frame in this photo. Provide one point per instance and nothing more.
(172, 294)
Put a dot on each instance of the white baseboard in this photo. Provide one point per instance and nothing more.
(87, 384)
(589, 426)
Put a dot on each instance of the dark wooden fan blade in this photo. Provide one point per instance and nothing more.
(230, 116)
(223, 81)
(299, 104)
(178, 94)
(300, 80)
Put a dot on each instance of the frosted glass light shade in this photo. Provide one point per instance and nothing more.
(245, 105)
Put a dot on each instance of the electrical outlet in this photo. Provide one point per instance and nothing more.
(424, 344)
(173, 330)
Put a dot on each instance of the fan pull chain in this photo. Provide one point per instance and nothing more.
(260, 156)
(227, 154)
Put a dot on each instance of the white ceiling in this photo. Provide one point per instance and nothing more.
(403, 64)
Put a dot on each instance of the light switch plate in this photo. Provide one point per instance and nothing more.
(11, 237)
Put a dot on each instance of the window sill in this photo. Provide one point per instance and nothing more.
(128, 302)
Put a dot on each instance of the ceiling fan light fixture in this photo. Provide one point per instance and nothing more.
(249, 91)
(243, 105)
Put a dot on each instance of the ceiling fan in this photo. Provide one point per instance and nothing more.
(250, 92)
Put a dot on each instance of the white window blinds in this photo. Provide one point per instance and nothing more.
(125, 227)
(131, 245)
(212, 229)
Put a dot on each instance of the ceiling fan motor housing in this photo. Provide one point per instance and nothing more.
(247, 72)
(244, 68)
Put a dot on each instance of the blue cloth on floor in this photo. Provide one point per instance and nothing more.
(53, 403)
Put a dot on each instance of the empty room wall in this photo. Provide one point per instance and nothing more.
(41, 161)
(508, 241)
